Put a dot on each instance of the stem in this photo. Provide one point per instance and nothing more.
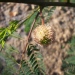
(42, 18)
(41, 15)
(26, 45)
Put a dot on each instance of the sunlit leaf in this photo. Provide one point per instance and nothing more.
(3, 42)
(6, 32)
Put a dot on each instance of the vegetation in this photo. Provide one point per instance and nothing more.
(34, 64)
(69, 62)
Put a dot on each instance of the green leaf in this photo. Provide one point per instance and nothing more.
(38, 21)
(9, 32)
(10, 49)
(6, 32)
(71, 52)
(26, 68)
(16, 35)
(29, 21)
(1, 29)
(3, 42)
(9, 63)
(70, 60)
(47, 12)
(36, 59)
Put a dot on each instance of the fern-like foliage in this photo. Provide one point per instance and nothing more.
(6, 32)
(36, 59)
(47, 12)
(34, 65)
(10, 62)
(69, 62)
(26, 68)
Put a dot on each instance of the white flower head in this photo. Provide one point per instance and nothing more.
(42, 34)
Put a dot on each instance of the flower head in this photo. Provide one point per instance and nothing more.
(42, 34)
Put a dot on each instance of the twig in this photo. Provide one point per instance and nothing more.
(42, 18)
(41, 15)
(44, 3)
(26, 45)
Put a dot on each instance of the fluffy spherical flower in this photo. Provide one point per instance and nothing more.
(42, 34)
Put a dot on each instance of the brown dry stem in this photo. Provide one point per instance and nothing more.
(26, 45)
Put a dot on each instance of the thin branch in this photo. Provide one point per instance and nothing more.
(26, 45)
(43, 3)
(42, 18)
(41, 15)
